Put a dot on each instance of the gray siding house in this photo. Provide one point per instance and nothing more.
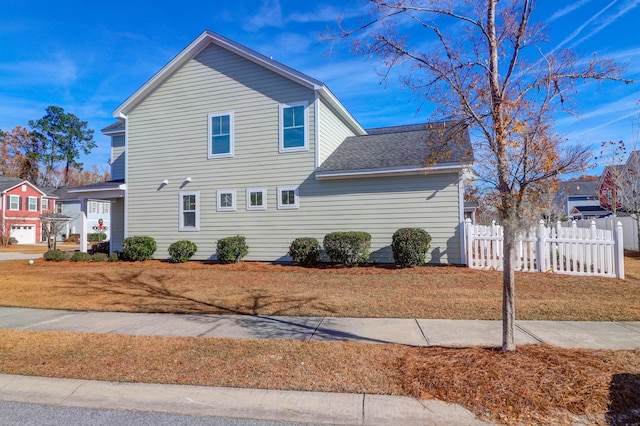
(224, 141)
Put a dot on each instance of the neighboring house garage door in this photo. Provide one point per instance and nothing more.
(25, 234)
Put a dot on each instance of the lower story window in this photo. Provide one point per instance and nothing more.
(189, 211)
(256, 198)
(226, 200)
(288, 197)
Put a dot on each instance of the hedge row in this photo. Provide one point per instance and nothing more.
(409, 247)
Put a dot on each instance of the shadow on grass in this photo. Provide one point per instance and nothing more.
(624, 394)
(149, 292)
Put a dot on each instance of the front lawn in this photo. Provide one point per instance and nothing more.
(264, 289)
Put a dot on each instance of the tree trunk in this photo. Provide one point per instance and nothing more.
(508, 289)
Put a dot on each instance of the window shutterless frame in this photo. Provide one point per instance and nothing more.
(226, 200)
(256, 198)
(220, 140)
(288, 197)
(293, 127)
(189, 219)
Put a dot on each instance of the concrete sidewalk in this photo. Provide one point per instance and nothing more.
(415, 332)
(316, 407)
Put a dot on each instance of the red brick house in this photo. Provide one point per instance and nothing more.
(21, 204)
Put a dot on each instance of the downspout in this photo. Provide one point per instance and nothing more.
(461, 216)
(125, 213)
(3, 216)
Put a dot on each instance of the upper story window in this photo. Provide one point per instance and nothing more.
(221, 134)
(226, 200)
(256, 198)
(32, 204)
(14, 202)
(189, 211)
(45, 204)
(288, 197)
(293, 127)
(93, 207)
(58, 208)
(105, 208)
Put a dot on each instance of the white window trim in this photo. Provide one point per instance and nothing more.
(281, 148)
(230, 154)
(220, 192)
(11, 197)
(264, 198)
(45, 204)
(181, 226)
(29, 200)
(296, 195)
(93, 207)
(106, 208)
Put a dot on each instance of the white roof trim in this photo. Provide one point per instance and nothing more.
(31, 185)
(209, 37)
(121, 187)
(113, 132)
(391, 171)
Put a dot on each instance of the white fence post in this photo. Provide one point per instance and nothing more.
(541, 252)
(619, 252)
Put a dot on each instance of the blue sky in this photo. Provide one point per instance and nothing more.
(88, 57)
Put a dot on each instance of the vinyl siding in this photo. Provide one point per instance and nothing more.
(117, 224)
(167, 139)
(118, 150)
(332, 130)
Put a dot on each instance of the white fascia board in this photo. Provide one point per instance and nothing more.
(26, 182)
(121, 187)
(326, 94)
(114, 132)
(393, 171)
(195, 47)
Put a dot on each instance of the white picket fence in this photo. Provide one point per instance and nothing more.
(562, 250)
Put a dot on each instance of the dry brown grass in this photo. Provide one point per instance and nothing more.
(536, 385)
(257, 288)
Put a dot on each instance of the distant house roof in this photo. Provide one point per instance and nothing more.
(579, 187)
(590, 211)
(398, 149)
(7, 183)
(114, 128)
(98, 187)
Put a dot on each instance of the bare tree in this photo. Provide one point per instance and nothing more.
(485, 66)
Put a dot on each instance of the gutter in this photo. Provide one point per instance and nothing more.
(391, 171)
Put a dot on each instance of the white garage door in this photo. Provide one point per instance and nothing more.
(25, 234)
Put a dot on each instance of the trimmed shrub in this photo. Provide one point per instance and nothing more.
(231, 249)
(102, 247)
(138, 248)
(80, 256)
(410, 246)
(96, 236)
(55, 255)
(349, 248)
(74, 238)
(114, 257)
(182, 251)
(305, 251)
(99, 257)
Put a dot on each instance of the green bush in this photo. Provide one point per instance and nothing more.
(55, 255)
(305, 251)
(74, 238)
(99, 257)
(410, 246)
(114, 257)
(182, 251)
(231, 249)
(80, 256)
(349, 248)
(138, 248)
(96, 236)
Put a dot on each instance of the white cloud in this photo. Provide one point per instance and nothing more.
(568, 9)
(269, 15)
(59, 71)
(578, 30)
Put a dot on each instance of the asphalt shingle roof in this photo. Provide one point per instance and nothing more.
(418, 145)
(113, 127)
(9, 182)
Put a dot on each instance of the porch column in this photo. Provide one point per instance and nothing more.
(83, 226)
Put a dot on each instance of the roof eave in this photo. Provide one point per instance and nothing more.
(390, 171)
